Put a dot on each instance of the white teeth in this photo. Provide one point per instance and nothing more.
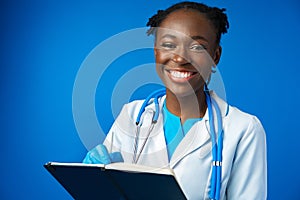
(178, 74)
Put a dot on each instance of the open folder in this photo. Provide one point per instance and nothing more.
(116, 181)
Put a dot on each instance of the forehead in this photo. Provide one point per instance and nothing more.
(188, 22)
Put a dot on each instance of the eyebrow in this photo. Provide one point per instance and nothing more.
(196, 37)
(199, 37)
(168, 36)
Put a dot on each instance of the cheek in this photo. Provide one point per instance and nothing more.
(158, 61)
(162, 57)
(203, 63)
(160, 70)
(202, 60)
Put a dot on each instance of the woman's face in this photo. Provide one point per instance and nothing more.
(185, 51)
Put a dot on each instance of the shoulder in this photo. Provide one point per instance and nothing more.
(244, 127)
(132, 108)
(129, 113)
(235, 116)
(237, 122)
(241, 118)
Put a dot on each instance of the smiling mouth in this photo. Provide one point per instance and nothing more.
(181, 74)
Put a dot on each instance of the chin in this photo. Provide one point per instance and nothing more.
(183, 91)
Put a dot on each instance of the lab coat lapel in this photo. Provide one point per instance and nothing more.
(199, 135)
(195, 139)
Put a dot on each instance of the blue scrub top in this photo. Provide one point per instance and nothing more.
(174, 130)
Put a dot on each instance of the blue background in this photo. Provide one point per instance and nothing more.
(43, 44)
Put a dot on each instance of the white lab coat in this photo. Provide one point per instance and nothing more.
(244, 168)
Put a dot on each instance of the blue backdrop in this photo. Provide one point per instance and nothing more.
(43, 44)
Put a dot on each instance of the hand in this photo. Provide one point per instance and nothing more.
(100, 155)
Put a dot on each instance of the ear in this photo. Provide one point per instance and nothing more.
(217, 54)
(155, 49)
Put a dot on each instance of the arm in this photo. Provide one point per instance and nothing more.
(105, 153)
(248, 179)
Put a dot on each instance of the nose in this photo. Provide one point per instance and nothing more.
(180, 57)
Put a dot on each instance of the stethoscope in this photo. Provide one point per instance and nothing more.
(216, 171)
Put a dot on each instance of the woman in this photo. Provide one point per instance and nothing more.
(187, 48)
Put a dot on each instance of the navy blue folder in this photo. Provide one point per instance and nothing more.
(84, 181)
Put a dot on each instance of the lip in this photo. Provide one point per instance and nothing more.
(180, 75)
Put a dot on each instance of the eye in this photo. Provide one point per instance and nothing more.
(168, 45)
(198, 48)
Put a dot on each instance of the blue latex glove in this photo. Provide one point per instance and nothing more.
(100, 155)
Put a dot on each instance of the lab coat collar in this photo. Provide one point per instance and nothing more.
(196, 138)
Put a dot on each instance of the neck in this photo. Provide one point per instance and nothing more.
(186, 107)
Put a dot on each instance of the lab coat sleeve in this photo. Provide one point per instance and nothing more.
(248, 178)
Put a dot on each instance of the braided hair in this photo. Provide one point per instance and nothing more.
(214, 14)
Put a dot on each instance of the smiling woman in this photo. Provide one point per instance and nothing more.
(176, 128)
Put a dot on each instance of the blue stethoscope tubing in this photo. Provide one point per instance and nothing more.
(156, 94)
(216, 173)
(217, 148)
